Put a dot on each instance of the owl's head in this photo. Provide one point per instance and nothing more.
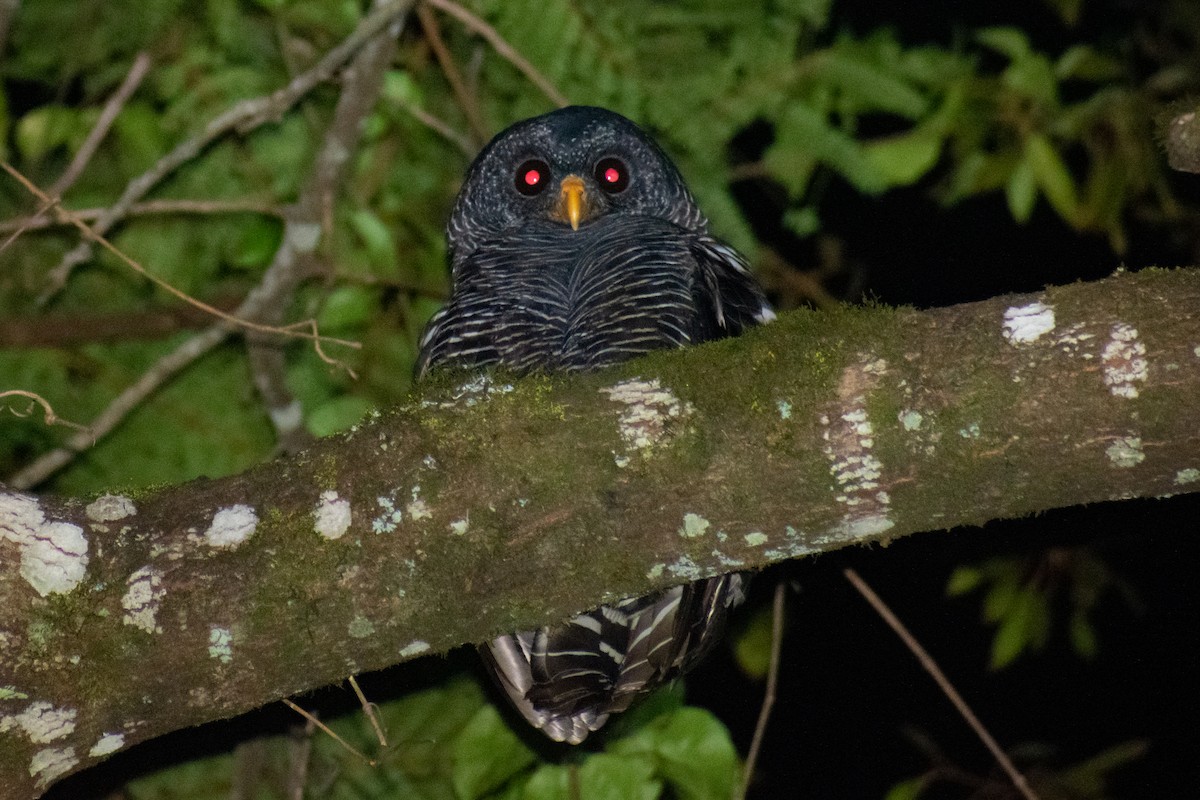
(571, 166)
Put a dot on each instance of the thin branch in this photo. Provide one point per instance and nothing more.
(71, 329)
(300, 752)
(149, 382)
(501, 46)
(942, 681)
(47, 409)
(242, 117)
(297, 330)
(467, 100)
(40, 221)
(361, 88)
(768, 702)
(133, 79)
(371, 711)
(314, 721)
(441, 128)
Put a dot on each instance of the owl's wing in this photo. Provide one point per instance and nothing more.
(727, 296)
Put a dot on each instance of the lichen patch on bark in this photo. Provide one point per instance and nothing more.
(231, 526)
(332, 516)
(1125, 363)
(54, 555)
(141, 600)
(1026, 324)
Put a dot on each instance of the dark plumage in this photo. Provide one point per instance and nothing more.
(574, 244)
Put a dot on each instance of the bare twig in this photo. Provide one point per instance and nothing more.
(440, 127)
(371, 711)
(313, 720)
(248, 769)
(28, 222)
(41, 221)
(243, 116)
(133, 79)
(141, 64)
(297, 330)
(764, 712)
(361, 88)
(300, 755)
(47, 409)
(501, 46)
(942, 681)
(158, 374)
(467, 100)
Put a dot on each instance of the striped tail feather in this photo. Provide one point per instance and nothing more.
(567, 679)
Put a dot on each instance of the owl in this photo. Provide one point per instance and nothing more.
(574, 244)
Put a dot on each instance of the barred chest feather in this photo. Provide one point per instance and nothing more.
(546, 298)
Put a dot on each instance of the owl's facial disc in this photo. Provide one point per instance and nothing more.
(573, 204)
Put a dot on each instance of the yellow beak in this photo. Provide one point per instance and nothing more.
(572, 201)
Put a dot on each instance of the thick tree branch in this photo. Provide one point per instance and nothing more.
(491, 506)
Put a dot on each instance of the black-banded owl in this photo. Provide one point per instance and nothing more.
(574, 244)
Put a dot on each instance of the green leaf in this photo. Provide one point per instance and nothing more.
(1034, 78)
(1052, 177)
(1083, 62)
(256, 243)
(1000, 597)
(140, 136)
(1083, 636)
(400, 87)
(814, 12)
(1011, 42)
(201, 779)
(906, 158)
(978, 172)
(803, 221)
(1090, 774)
(1037, 610)
(1017, 629)
(752, 648)
(548, 782)
(871, 86)
(47, 128)
(486, 755)
(336, 415)
(1021, 191)
(665, 700)
(804, 134)
(348, 307)
(1068, 10)
(375, 235)
(605, 776)
(692, 750)
(963, 580)
(907, 790)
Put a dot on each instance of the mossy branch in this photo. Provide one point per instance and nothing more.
(487, 506)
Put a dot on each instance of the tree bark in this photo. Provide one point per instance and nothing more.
(493, 505)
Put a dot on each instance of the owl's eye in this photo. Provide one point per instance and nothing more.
(612, 175)
(532, 177)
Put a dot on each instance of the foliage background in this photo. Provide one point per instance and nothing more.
(929, 152)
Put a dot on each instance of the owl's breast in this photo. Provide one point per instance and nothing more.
(544, 297)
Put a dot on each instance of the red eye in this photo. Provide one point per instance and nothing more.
(612, 175)
(532, 177)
